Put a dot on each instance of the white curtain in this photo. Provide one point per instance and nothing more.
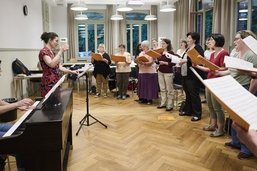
(153, 24)
(221, 19)
(109, 30)
(71, 33)
(181, 21)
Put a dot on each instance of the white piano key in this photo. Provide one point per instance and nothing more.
(20, 121)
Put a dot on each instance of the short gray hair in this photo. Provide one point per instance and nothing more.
(145, 43)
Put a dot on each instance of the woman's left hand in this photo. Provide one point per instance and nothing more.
(74, 72)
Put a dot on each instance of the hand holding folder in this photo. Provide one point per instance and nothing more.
(155, 53)
(97, 57)
(142, 59)
(117, 58)
(199, 60)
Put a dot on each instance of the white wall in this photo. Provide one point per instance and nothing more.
(20, 38)
(17, 30)
(58, 20)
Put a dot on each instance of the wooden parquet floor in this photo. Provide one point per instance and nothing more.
(136, 140)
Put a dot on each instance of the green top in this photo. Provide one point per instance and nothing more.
(242, 78)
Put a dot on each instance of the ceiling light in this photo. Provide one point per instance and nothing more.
(166, 7)
(135, 2)
(150, 17)
(124, 8)
(79, 6)
(116, 17)
(81, 16)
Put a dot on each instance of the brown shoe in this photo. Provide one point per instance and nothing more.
(160, 107)
(209, 128)
(229, 144)
(242, 155)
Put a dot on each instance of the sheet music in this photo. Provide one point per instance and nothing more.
(236, 97)
(237, 63)
(174, 59)
(251, 43)
(84, 70)
(54, 87)
(17, 124)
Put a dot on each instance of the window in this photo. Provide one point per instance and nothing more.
(90, 34)
(208, 23)
(254, 16)
(137, 30)
(242, 15)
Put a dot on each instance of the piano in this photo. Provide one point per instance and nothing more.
(43, 137)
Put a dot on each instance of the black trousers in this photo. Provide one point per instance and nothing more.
(193, 104)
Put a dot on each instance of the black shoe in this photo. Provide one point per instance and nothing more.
(160, 107)
(195, 118)
(229, 144)
(242, 155)
(149, 102)
(169, 109)
(184, 114)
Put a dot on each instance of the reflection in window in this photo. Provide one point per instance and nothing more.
(137, 30)
(254, 16)
(82, 39)
(208, 23)
(90, 34)
(242, 15)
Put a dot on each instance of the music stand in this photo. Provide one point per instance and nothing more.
(87, 115)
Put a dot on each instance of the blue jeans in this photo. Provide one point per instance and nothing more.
(4, 127)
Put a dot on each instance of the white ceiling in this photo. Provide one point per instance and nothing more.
(105, 2)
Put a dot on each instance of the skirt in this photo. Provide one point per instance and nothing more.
(147, 86)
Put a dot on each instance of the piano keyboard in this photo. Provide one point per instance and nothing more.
(20, 121)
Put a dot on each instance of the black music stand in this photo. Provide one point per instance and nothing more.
(87, 115)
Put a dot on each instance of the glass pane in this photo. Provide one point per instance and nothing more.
(135, 30)
(82, 40)
(135, 16)
(254, 16)
(91, 38)
(242, 15)
(94, 16)
(208, 23)
(144, 32)
(128, 38)
(100, 34)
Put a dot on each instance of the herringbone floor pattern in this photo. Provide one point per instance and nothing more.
(136, 140)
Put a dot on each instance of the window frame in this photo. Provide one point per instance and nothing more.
(86, 23)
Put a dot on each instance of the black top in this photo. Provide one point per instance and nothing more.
(101, 67)
(166, 68)
(190, 74)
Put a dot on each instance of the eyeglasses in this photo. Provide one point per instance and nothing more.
(236, 38)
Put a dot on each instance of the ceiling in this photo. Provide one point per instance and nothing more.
(105, 2)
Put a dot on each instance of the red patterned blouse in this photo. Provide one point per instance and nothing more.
(50, 75)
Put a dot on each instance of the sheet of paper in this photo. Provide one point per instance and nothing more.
(237, 63)
(240, 103)
(251, 43)
(174, 59)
